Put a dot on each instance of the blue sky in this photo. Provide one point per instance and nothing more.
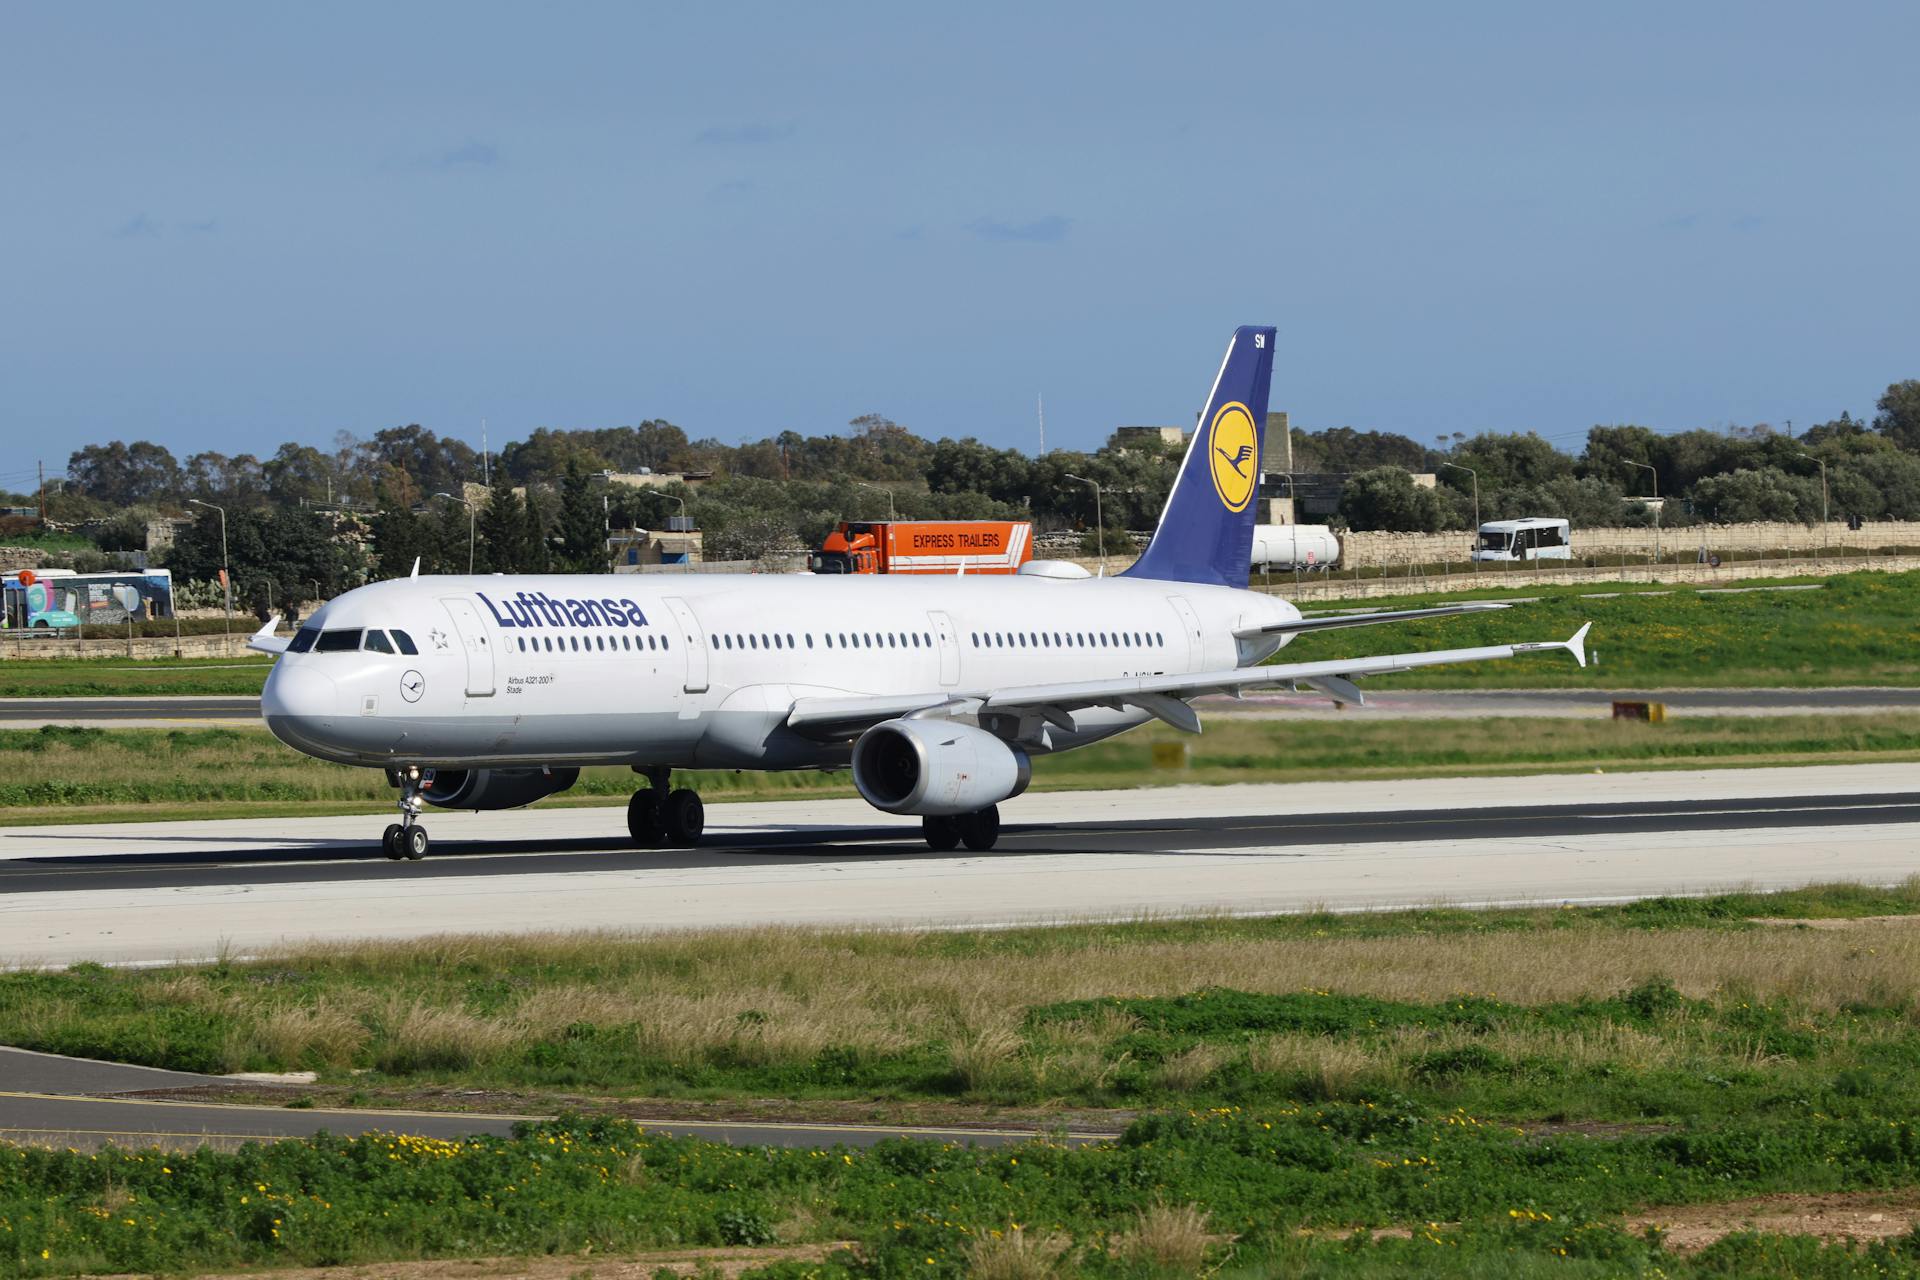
(228, 225)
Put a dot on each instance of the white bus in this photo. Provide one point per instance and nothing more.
(1530, 538)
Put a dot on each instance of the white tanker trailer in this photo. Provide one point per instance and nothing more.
(1294, 546)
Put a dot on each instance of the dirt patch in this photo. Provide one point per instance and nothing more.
(1836, 922)
(1856, 1216)
(572, 1266)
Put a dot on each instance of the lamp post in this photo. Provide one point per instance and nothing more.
(226, 570)
(1649, 468)
(686, 564)
(1471, 558)
(1823, 495)
(272, 590)
(469, 506)
(1099, 520)
(315, 584)
(862, 484)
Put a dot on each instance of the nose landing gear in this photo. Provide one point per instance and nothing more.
(406, 838)
(659, 817)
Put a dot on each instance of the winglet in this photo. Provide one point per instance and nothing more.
(265, 641)
(1577, 646)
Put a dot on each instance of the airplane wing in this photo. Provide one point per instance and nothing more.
(265, 641)
(1163, 696)
(1328, 621)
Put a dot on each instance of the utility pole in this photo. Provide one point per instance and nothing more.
(862, 484)
(1040, 402)
(1823, 495)
(226, 570)
(43, 493)
(486, 467)
(1649, 468)
(1476, 508)
(1099, 521)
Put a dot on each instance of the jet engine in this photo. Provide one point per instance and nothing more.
(494, 788)
(936, 767)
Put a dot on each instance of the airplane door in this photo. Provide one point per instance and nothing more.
(949, 648)
(473, 639)
(694, 642)
(1190, 623)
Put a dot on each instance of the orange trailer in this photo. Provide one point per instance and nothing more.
(925, 546)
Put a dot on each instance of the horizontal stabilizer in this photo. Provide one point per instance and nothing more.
(1328, 621)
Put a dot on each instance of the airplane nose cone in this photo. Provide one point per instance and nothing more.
(298, 702)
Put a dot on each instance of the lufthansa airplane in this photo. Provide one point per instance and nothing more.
(492, 692)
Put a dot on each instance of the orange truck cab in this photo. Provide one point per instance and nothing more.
(925, 546)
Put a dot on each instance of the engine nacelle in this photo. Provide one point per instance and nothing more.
(936, 767)
(494, 788)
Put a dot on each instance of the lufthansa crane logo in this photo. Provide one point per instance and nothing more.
(1233, 448)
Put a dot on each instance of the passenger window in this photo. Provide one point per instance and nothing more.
(303, 639)
(344, 641)
(790, 643)
(523, 643)
(809, 639)
(664, 644)
(763, 641)
(575, 642)
(405, 642)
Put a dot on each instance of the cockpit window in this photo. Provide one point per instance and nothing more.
(404, 640)
(342, 641)
(303, 639)
(377, 642)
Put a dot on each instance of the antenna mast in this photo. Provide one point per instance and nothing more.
(486, 469)
(1040, 402)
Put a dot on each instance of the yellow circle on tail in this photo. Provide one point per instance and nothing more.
(1233, 449)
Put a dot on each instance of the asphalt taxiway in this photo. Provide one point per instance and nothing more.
(152, 892)
(48, 1099)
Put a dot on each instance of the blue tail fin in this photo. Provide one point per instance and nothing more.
(1206, 532)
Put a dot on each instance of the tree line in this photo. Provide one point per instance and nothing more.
(308, 522)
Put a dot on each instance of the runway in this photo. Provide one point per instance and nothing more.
(159, 891)
(162, 712)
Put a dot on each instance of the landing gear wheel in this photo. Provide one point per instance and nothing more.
(390, 840)
(979, 831)
(943, 833)
(643, 818)
(684, 817)
(414, 843)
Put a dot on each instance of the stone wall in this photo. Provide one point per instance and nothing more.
(14, 644)
(1371, 550)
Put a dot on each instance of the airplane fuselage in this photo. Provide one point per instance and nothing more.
(702, 670)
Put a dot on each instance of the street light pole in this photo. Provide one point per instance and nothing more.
(226, 570)
(1823, 495)
(686, 564)
(1654, 472)
(891, 511)
(1099, 520)
(469, 506)
(1471, 559)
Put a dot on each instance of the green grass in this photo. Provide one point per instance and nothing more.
(242, 674)
(1359, 1076)
(1857, 629)
(61, 773)
(1485, 1201)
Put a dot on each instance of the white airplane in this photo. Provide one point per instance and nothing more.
(491, 692)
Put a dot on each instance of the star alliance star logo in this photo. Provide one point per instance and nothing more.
(438, 637)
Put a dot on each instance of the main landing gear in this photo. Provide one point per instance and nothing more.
(979, 830)
(407, 838)
(657, 816)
